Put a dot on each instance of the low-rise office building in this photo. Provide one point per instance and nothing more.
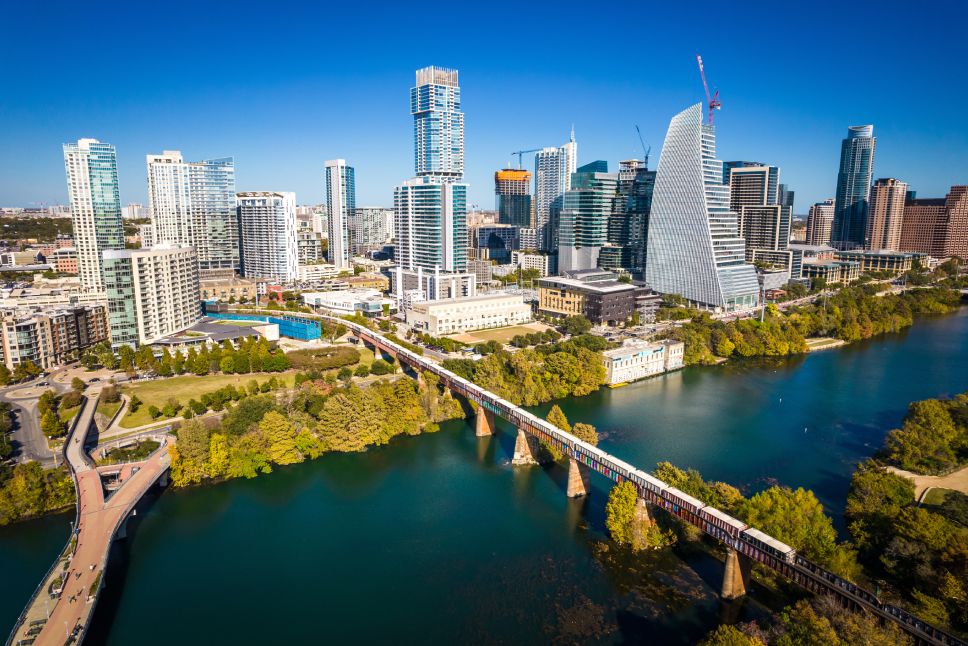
(369, 302)
(308, 273)
(454, 316)
(50, 336)
(895, 262)
(640, 359)
(228, 288)
(537, 261)
(64, 260)
(597, 295)
(835, 272)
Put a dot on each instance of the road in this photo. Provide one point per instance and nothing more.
(29, 443)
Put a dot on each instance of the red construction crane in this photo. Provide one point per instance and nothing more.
(713, 101)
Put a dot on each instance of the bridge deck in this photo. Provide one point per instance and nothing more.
(98, 521)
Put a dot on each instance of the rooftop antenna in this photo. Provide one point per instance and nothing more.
(713, 101)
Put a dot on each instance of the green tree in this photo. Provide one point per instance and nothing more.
(190, 454)
(875, 499)
(575, 325)
(557, 417)
(5, 375)
(623, 522)
(381, 367)
(281, 439)
(218, 455)
(51, 425)
(726, 635)
(362, 370)
(795, 517)
(78, 384)
(802, 625)
(586, 433)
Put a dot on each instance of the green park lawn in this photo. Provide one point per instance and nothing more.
(501, 335)
(935, 496)
(108, 409)
(181, 389)
(67, 414)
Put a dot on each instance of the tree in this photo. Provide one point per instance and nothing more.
(575, 325)
(803, 626)
(875, 499)
(345, 374)
(51, 425)
(126, 358)
(381, 367)
(795, 517)
(281, 439)
(5, 375)
(726, 635)
(218, 455)
(134, 403)
(362, 370)
(78, 384)
(585, 432)
(190, 454)
(557, 417)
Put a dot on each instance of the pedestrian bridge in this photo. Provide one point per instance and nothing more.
(744, 544)
(60, 610)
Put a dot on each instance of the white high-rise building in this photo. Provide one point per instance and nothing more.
(368, 229)
(341, 202)
(694, 247)
(267, 227)
(193, 203)
(438, 125)
(151, 293)
(92, 185)
(553, 168)
(431, 225)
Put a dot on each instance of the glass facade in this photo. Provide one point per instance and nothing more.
(431, 225)
(553, 168)
(694, 248)
(853, 188)
(193, 203)
(341, 202)
(92, 185)
(438, 124)
(584, 220)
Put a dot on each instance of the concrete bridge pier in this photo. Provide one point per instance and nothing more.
(577, 479)
(122, 529)
(643, 521)
(163, 480)
(736, 578)
(523, 453)
(484, 422)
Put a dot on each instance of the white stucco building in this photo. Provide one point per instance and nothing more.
(441, 317)
(639, 359)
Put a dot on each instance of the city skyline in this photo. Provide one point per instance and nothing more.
(779, 111)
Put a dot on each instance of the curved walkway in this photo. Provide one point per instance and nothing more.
(65, 617)
(957, 480)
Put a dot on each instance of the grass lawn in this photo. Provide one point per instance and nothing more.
(935, 497)
(185, 387)
(67, 414)
(108, 409)
(501, 334)
(366, 355)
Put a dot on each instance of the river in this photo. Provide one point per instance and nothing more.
(437, 538)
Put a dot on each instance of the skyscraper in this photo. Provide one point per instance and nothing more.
(785, 196)
(368, 229)
(267, 227)
(853, 188)
(553, 168)
(341, 202)
(92, 185)
(193, 204)
(885, 214)
(585, 212)
(513, 190)
(937, 226)
(819, 222)
(438, 125)
(628, 228)
(764, 223)
(694, 248)
(431, 225)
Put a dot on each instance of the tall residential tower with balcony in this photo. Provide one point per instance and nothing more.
(193, 203)
(92, 185)
(341, 201)
(267, 228)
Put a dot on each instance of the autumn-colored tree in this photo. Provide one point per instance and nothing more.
(280, 438)
(557, 417)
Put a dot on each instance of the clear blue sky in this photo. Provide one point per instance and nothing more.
(283, 87)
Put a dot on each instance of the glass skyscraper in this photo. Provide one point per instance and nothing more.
(341, 201)
(92, 185)
(193, 203)
(694, 248)
(430, 223)
(585, 212)
(853, 188)
(438, 125)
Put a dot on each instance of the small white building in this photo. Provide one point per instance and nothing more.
(640, 359)
(369, 302)
(309, 273)
(524, 260)
(454, 316)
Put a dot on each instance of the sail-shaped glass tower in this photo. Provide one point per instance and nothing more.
(694, 247)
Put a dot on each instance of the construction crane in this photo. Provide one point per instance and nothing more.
(644, 149)
(520, 153)
(713, 101)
